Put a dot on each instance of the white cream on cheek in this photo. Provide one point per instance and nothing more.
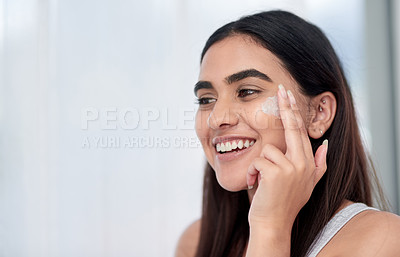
(270, 106)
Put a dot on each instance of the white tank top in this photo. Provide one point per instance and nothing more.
(334, 225)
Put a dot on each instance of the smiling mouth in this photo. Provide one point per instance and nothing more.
(233, 146)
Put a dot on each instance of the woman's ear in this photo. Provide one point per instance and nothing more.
(322, 113)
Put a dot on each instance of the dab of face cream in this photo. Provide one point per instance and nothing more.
(270, 106)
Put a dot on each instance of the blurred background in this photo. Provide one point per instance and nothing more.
(98, 155)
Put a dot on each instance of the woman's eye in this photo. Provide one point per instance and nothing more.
(246, 92)
(205, 100)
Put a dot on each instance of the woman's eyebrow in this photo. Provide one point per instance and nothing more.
(202, 84)
(234, 78)
(245, 74)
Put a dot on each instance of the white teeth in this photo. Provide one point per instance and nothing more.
(228, 146)
(234, 145)
(222, 147)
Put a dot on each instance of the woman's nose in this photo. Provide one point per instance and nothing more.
(223, 115)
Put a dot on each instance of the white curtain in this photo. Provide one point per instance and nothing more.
(98, 155)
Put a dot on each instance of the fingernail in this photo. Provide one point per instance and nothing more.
(282, 91)
(250, 187)
(291, 97)
(325, 143)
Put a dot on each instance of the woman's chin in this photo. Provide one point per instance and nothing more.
(236, 188)
(232, 184)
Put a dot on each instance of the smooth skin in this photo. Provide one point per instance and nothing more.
(280, 165)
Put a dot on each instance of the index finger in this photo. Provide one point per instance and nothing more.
(308, 152)
(294, 143)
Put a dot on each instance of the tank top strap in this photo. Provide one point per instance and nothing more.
(334, 225)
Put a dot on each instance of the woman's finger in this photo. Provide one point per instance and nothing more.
(273, 154)
(256, 170)
(320, 161)
(293, 140)
(308, 152)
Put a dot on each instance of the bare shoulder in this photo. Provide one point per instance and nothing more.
(370, 233)
(188, 241)
(383, 235)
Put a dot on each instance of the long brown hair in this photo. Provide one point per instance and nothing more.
(308, 56)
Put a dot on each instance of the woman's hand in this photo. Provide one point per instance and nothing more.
(285, 180)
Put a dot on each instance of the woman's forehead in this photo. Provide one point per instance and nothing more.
(235, 54)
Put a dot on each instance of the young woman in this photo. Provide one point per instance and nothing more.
(272, 92)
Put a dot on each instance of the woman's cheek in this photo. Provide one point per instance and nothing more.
(266, 116)
(269, 125)
(201, 126)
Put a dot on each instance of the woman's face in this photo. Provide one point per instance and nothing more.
(237, 76)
